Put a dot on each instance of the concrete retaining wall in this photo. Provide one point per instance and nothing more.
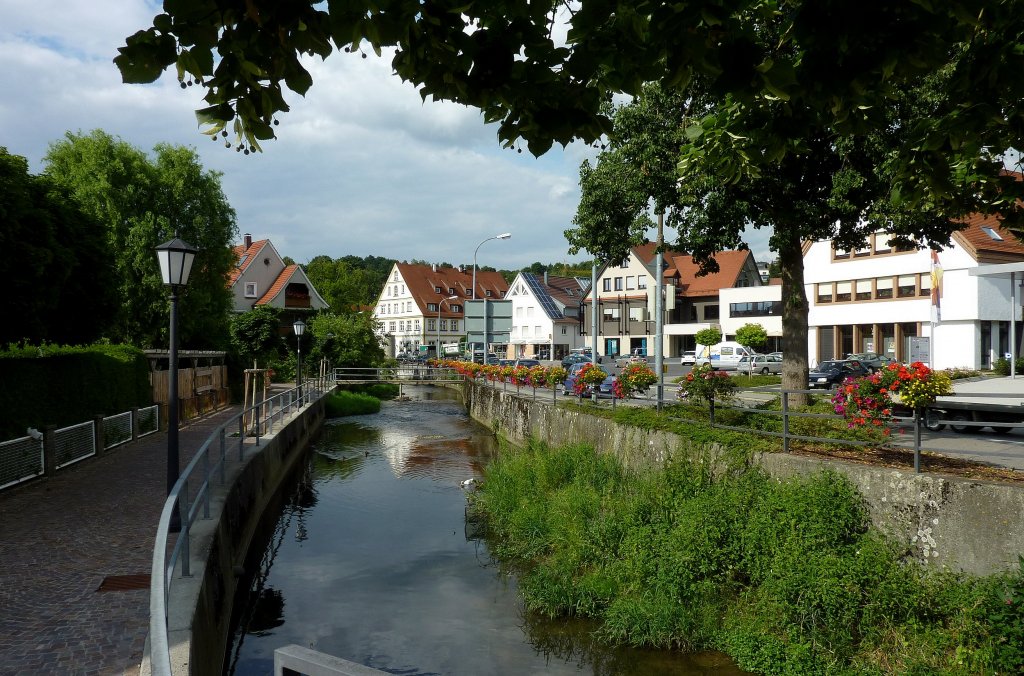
(973, 526)
(199, 608)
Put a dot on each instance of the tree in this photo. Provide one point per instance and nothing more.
(58, 288)
(346, 284)
(256, 335)
(140, 202)
(709, 336)
(348, 340)
(752, 336)
(503, 59)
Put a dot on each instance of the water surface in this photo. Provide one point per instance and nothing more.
(369, 558)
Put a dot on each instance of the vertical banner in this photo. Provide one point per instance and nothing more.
(936, 287)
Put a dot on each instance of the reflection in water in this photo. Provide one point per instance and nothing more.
(370, 558)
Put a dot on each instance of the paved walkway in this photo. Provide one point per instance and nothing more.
(60, 537)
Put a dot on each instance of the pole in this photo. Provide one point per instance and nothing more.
(172, 409)
(437, 352)
(298, 366)
(1013, 325)
(472, 296)
(659, 310)
(593, 318)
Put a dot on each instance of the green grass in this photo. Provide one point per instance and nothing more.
(784, 576)
(345, 403)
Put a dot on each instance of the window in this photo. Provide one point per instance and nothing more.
(611, 314)
(641, 282)
(401, 325)
(431, 307)
(863, 251)
(417, 325)
(618, 283)
(630, 283)
(431, 324)
(840, 254)
(882, 245)
(991, 233)
(444, 324)
(529, 311)
(250, 289)
(395, 276)
(606, 284)
(488, 293)
(825, 292)
(711, 312)
(906, 286)
(624, 264)
(844, 292)
(455, 325)
(437, 289)
(391, 327)
(456, 308)
(519, 312)
(563, 331)
(863, 289)
(636, 314)
(925, 288)
(403, 289)
(394, 290)
(525, 331)
(883, 288)
(384, 309)
(536, 331)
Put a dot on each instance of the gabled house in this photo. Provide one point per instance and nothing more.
(260, 277)
(883, 298)
(545, 315)
(422, 306)
(625, 295)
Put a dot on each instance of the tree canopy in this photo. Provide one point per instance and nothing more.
(139, 202)
(505, 59)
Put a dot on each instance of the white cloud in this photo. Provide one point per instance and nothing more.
(362, 165)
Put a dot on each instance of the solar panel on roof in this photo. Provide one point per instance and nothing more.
(541, 294)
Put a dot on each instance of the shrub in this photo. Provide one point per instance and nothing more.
(1002, 366)
(704, 383)
(345, 403)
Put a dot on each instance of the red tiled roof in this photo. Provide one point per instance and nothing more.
(421, 280)
(730, 264)
(983, 247)
(247, 256)
(279, 283)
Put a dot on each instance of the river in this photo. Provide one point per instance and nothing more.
(368, 556)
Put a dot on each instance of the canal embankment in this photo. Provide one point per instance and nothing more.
(947, 522)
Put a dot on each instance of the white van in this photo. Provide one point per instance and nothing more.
(724, 356)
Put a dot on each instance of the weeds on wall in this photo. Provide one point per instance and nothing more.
(784, 576)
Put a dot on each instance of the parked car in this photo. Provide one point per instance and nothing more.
(528, 363)
(575, 358)
(831, 373)
(688, 357)
(871, 360)
(775, 354)
(587, 352)
(636, 356)
(570, 380)
(759, 363)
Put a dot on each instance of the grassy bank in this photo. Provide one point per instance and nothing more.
(785, 577)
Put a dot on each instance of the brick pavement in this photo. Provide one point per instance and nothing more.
(61, 536)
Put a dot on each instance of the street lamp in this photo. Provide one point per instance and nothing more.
(443, 301)
(175, 258)
(472, 293)
(299, 327)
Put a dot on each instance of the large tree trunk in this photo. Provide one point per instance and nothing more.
(794, 314)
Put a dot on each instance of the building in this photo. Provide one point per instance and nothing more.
(753, 305)
(883, 298)
(545, 315)
(421, 307)
(625, 294)
(260, 277)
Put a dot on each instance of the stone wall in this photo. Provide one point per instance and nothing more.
(962, 524)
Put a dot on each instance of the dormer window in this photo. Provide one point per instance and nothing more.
(437, 289)
(488, 293)
(250, 289)
(451, 290)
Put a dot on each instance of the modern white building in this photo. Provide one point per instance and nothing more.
(546, 322)
(753, 305)
(880, 298)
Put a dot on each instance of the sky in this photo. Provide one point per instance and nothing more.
(361, 166)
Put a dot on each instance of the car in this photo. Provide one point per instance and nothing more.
(688, 357)
(575, 358)
(833, 372)
(506, 362)
(759, 363)
(775, 354)
(634, 357)
(587, 352)
(871, 360)
(570, 380)
(528, 363)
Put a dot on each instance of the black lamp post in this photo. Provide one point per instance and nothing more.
(300, 327)
(175, 259)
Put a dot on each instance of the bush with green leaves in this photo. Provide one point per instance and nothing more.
(787, 577)
(1001, 366)
(344, 403)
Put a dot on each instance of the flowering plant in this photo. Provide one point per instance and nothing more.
(556, 376)
(704, 383)
(520, 375)
(869, 400)
(537, 376)
(634, 378)
(588, 377)
(506, 372)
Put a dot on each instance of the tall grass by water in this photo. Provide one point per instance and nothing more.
(786, 577)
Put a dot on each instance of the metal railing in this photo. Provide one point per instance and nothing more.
(20, 460)
(191, 497)
(74, 443)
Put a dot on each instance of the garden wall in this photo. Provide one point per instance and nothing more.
(962, 524)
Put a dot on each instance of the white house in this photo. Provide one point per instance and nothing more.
(880, 298)
(260, 277)
(423, 305)
(753, 305)
(546, 315)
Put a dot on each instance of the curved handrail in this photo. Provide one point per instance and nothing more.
(263, 416)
